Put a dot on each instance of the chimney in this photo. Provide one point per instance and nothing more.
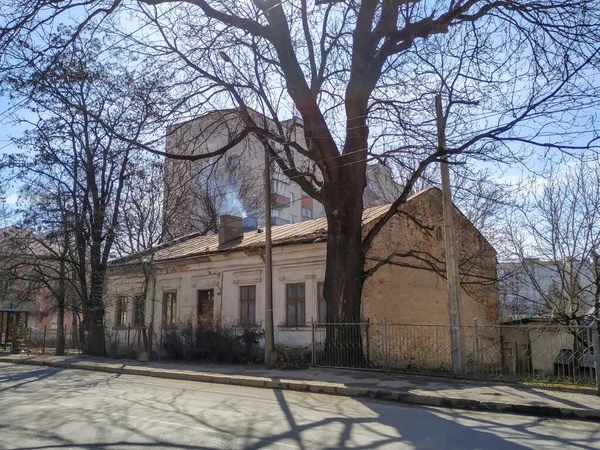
(230, 229)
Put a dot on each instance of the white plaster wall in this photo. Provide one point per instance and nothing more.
(225, 274)
(545, 348)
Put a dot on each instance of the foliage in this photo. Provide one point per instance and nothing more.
(217, 341)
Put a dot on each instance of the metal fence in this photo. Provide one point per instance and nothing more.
(181, 341)
(129, 341)
(543, 353)
(40, 341)
(186, 341)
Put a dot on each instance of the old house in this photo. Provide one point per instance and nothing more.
(221, 277)
(28, 270)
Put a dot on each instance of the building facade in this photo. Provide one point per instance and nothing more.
(221, 277)
(551, 289)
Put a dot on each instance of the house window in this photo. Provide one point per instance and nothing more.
(292, 197)
(54, 323)
(121, 312)
(307, 212)
(321, 303)
(321, 208)
(304, 194)
(169, 307)
(139, 310)
(247, 305)
(206, 304)
(295, 305)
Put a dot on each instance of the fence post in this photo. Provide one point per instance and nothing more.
(476, 347)
(128, 340)
(150, 333)
(528, 352)
(312, 347)
(596, 339)
(386, 348)
(368, 343)
(44, 341)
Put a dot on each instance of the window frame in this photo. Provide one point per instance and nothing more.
(321, 300)
(245, 303)
(304, 210)
(121, 312)
(173, 308)
(205, 317)
(295, 300)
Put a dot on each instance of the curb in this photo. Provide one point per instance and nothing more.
(324, 388)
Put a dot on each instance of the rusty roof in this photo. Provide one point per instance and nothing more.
(197, 245)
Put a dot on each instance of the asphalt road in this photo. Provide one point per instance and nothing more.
(49, 408)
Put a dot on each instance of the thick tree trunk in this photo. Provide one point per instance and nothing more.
(95, 337)
(344, 267)
(344, 276)
(94, 316)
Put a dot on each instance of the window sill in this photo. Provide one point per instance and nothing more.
(247, 326)
(294, 327)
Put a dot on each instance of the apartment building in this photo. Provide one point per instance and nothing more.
(198, 192)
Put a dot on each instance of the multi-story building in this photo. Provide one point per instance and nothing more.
(551, 289)
(198, 192)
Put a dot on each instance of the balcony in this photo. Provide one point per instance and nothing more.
(278, 200)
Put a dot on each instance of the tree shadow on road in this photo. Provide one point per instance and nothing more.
(393, 425)
(127, 412)
(23, 378)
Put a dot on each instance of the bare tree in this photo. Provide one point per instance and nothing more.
(350, 72)
(553, 240)
(40, 269)
(70, 149)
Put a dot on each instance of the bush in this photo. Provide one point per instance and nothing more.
(212, 341)
(292, 357)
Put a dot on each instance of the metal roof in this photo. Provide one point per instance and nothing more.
(197, 245)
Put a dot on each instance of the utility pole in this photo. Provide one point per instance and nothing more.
(269, 334)
(457, 337)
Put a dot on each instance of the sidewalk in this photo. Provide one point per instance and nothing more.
(428, 391)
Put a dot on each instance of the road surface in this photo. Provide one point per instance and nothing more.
(50, 408)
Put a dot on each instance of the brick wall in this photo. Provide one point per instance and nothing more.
(408, 291)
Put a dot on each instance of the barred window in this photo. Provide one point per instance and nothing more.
(121, 312)
(247, 305)
(295, 305)
(321, 303)
(169, 307)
